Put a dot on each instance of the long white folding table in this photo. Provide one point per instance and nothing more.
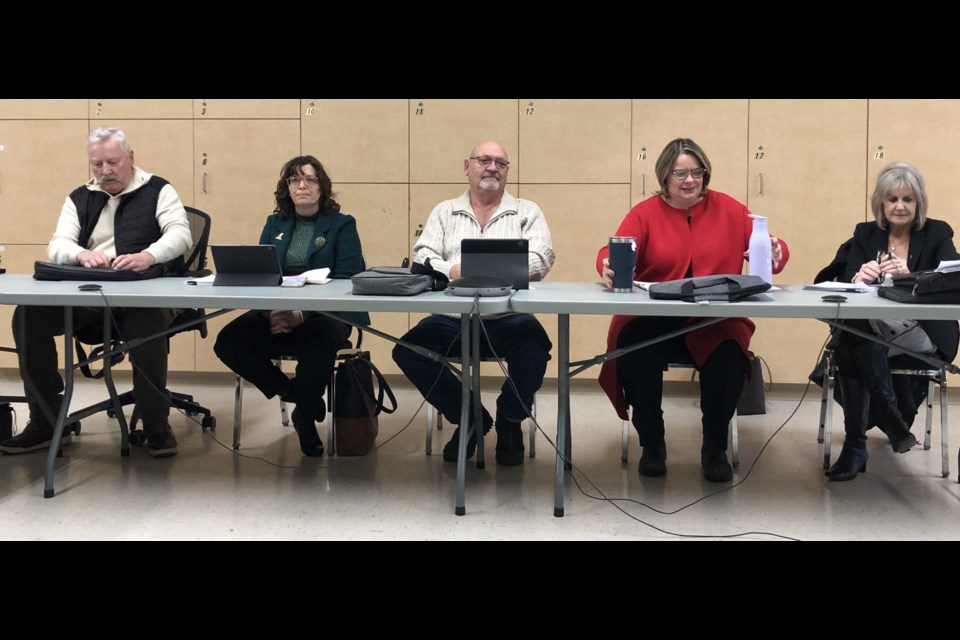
(334, 296)
(791, 301)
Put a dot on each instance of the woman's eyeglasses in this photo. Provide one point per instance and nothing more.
(310, 181)
(681, 174)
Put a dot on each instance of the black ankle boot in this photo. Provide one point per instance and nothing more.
(452, 448)
(716, 467)
(653, 460)
(851, 462)
(874, 368)
(310, 443)
(509, 452)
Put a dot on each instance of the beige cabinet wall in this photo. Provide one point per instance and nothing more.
(443, 132)
(808, 164)
(921, 132)
(237, 165)
(806, 173)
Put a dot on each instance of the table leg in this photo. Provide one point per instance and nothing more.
(465, 377)
(563, 409)
(55, 450)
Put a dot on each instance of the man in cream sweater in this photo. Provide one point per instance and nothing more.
(123, 218)
(485, 210)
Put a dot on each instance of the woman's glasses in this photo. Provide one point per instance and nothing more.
(681, 174)
(310, 181)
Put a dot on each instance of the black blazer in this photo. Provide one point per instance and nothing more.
(928, 246)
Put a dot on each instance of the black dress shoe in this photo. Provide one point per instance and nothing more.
(310, 443)
(849, 463)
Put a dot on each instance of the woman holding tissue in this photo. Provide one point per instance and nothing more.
(310, 233)
(684, 230)
(901, 239)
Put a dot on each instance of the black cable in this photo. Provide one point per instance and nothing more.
(613, 501)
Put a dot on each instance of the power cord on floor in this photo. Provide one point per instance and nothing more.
(613, 501)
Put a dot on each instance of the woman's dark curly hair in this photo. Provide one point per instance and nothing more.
(294, 167)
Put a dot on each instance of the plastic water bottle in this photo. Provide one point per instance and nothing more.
(760, 258)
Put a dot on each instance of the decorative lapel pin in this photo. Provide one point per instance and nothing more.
(279, 236)
(320, 241)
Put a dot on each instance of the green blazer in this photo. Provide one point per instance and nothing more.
(336, 245)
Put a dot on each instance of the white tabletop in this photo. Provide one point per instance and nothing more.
(791, 301)
(175, 293)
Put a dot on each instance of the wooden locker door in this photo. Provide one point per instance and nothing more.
(237, 164)
(807, 174)
(245, 109)
(104, 110)
(43, 109)
(718, 126)
(41, 162)
(366, 141)
(443, 132)
(574, 141)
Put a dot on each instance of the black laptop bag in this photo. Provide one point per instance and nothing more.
(724, 288)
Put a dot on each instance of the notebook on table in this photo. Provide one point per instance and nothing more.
(246, 265)
(505, 259)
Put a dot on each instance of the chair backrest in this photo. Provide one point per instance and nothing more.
(197, 260)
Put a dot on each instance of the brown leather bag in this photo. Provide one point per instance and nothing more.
(357, 406)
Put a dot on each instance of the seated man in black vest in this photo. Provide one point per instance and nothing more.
(124, 218)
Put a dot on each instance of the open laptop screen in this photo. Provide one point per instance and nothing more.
(246, 265)
(506, 259)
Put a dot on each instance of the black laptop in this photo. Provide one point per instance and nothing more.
(505, 259)
(246, 265)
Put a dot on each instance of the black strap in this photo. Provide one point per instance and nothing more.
(115, 359)
(384, 388)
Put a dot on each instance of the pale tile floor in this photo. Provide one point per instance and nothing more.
(268, 491)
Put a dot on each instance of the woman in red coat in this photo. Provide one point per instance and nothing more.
(684, 230)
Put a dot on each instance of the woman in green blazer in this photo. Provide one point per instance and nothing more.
(310, 233)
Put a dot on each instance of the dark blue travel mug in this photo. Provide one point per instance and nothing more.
(623, 261)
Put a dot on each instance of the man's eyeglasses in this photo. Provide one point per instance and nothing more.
(310, 181)
(681, 174)
(486, 160)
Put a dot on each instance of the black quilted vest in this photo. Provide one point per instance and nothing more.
(135, 225)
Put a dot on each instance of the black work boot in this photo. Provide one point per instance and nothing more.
(653, 460)
(716, 467)
(452, 447)
(856, 407)
(874, 368)
(509, 442)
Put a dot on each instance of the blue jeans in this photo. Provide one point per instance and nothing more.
(518, 338)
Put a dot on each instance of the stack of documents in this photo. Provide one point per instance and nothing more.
(946, 266)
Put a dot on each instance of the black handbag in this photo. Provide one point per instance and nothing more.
(924, 287)
(753, 399)
(356, 405)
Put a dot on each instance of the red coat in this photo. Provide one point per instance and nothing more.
(714, 240)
